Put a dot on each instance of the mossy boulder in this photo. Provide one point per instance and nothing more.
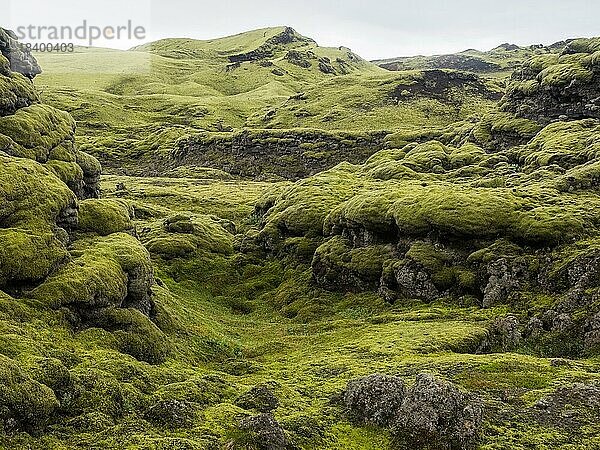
(566, 144)
(15, 53)
(172, 414)
(27, 258)
(432, 413)
(40, 132)
(260, 398)
(91, 174)
(16, 91)
(557, 86)
(181, 235)
(135, 333)
(105, 216)
(113, 271)
(31, 196)
(262, 432)
(374, 399)
(171, 247)
(336, 265)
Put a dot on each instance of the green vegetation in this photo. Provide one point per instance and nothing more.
(173, 88)
(105, 216)
(446, 236)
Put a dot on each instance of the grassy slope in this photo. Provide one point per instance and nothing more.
(150, 97)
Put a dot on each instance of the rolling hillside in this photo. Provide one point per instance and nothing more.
(153, 95)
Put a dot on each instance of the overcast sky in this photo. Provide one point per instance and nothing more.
(373, 28)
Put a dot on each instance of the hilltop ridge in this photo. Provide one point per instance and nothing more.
(497, 62)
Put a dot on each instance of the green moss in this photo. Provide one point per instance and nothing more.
(16, 90)
(26, 404)
(171, 247)
(182, 234)
(425, 157)
(198, 390)
(502, 248)
(89, 165)
(441, 264)
(105, 216)
(583, 46)
(416, 210)
(99, 275)
(497, 124)
(135, 333)
(466, 155)
(11, 309)
(563, 74)
(301, 209)
(566, 144)
(69, 173)
(585, 176)
(31, 196)
(345, 266)
(37, 130)
(27, 257)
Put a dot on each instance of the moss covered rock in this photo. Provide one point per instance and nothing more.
(19, 59)
(554, 86)
(30, 195)
(40, 132)
(105, 216)
(27, 258)
(113, 271)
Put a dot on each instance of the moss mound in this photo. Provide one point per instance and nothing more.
(26, 404)
(27, 258)
(105, 216)
(114, 271)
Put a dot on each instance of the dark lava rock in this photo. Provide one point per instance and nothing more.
(440, 85)
(505, 277)
(504, 335)
(20, 60)
(569, 406)
(259, 398)
(280, 153)
(375, 399)
(270, 46)
(262, 432)
(300, 59)
(465, 63)
(413, 281)
(171, 413)
(436, 414)
(592, 335)
(432, 414)
(571, 91)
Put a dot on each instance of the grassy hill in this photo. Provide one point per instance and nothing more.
(273, 78)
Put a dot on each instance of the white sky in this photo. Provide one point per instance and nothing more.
(374, 29)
